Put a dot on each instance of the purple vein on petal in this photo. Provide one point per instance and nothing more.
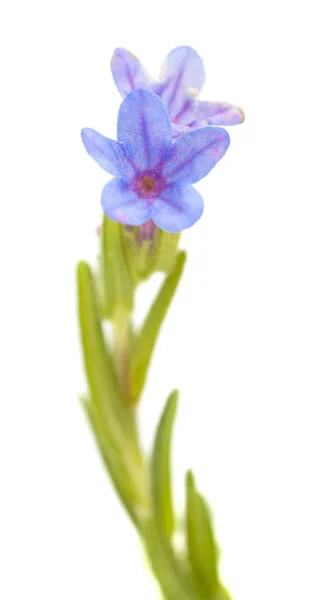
(188, 161)
(145, 133)
(177, 82)
(174, 92)
(130, 77)
(187, 104)
(130, 158)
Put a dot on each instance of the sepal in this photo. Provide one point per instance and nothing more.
(167, 251)
(149, 249)
(115, 278)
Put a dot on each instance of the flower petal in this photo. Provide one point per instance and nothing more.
(219, 113)
(109, 154)
(145, 129)
(193, 155)
(177, 208)
(179, 130)
(128, 72)
(122, 204)
(183, 75)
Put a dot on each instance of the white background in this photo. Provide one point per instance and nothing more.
(241, 341)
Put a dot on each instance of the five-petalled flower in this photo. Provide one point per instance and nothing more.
(182, 77)
(154, 173)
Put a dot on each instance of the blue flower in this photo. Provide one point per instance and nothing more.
(182, 77)
(153, 173)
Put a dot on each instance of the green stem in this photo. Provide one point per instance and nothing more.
(123, 353)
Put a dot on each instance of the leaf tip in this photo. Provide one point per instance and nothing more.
(82, 269)
(181, 258)
(190, 480)
(173, 400)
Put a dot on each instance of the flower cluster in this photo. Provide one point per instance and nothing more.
(167, 140)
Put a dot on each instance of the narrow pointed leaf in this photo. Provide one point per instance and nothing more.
(223, 594)
(103, 383)
(167, 568)
(117, 280)
(106, 272)
(114, 463)
(122, 279)
(202, 548)
(161, 468)
(147, 337)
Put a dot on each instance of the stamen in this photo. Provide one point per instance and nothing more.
(147, 184)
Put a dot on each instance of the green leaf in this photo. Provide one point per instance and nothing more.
(115, 465)
(106, 273)
(160, 468)
(166, 567)
(105, 391)
(202, 548)
(147, 337)
(116, 277)
(223, 594)
(112, 422)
